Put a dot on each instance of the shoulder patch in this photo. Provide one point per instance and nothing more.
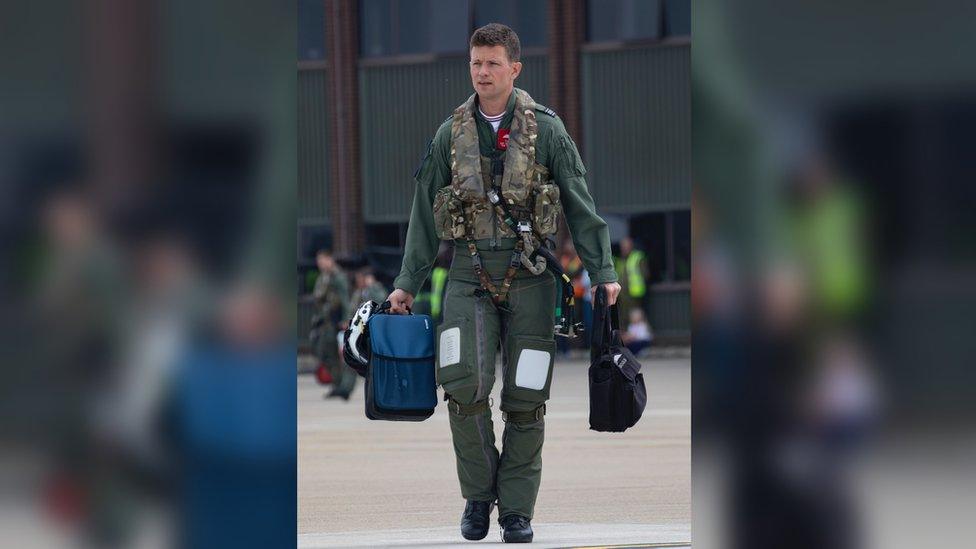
(545, 109)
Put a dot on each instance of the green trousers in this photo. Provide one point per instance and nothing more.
(474, 332)
(327, 350)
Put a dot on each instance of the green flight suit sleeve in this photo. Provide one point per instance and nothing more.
(420, 249)
(342, 295)
(589, 231)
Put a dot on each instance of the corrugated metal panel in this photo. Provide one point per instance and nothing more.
(401, 106)
(637, 128)
(313, 152)
(670, 312)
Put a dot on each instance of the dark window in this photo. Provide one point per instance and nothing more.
(623, 20)
(677, 17)
(681, 229)
(376, 28)
(666, 239)
(449, 28)
(311, 29)
(649, 233)
(526, 17)
(391, 235)
(404, 27)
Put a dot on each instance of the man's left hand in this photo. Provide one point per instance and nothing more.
(612, 290)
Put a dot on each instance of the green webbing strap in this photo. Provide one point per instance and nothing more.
(523, 417)
(467, 409)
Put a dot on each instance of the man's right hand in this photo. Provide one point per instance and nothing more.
(400, 301)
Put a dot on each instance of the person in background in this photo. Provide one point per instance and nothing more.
(366, 288)
(573, 268)
(634, 274)
(331, 294)
(638, 335)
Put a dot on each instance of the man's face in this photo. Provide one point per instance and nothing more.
(325, 263)
(626, 245)
(492, 74)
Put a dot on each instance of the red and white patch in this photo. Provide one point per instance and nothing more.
(502, 143)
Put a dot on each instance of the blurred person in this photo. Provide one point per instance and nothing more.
(79, 305)
(231, 403)
(634, 275)
(331, 295)
(170, 301)
(573, 268)
(829, 220)
(366, 288)
(638, 335)
(501, 138)
(438, 281)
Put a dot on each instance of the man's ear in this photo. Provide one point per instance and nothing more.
(517, 67)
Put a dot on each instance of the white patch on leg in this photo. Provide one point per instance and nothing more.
(532, 369)
(450, 347)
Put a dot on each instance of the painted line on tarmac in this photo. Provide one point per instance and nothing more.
(547, 535)
(679, 545)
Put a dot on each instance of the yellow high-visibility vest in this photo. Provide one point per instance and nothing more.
(437, 280)
(635, 278)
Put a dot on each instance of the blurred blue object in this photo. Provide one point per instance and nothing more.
(237, 423)
(235, 404)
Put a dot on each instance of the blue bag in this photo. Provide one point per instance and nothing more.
(400, 383)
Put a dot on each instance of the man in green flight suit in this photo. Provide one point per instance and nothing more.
(493, 180)
(331, 294)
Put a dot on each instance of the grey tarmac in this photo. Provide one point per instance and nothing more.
(365, 483)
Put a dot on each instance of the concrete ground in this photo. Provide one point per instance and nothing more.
(365, 483)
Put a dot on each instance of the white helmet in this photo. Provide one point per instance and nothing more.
(355, 348)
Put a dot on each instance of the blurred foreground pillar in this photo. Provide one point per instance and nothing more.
(121, 64)
(567, 30)
(345, 202)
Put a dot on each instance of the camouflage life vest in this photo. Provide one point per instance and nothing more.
(525, 186)
(510, 196)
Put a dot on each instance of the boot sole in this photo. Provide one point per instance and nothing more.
(474, 538)
(527, 539)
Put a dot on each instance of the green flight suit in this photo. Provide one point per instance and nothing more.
(473, 328)
(331, 294)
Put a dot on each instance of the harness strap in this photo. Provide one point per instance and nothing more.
(467, 409)
(524, 417)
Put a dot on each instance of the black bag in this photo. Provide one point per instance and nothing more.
(617, 391)
(400, 382)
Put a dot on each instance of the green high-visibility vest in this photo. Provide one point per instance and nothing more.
(635, 278)
(437, 280)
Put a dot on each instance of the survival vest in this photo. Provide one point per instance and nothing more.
(510, 196)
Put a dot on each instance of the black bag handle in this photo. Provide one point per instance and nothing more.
(606, 325)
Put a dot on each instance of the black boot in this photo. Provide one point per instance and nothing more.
(475, 520)
(338, 394)
(516, 529)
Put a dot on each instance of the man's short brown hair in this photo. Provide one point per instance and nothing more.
(496, 34)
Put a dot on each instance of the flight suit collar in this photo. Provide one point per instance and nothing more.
(509, 113)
